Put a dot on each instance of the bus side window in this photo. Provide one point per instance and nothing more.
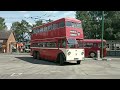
(95, 45)
(63, 43)
(85, 45)
(89, 45)
(59, 43)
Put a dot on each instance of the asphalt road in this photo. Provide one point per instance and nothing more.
(23, 66)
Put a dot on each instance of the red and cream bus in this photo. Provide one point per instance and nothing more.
(58, 41)
(91, 46)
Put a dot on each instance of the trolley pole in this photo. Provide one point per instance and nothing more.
(102, 31)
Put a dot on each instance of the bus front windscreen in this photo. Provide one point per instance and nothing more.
(72, 43)
(73, 24)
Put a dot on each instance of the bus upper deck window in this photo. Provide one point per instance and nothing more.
(68, 23)
(61, 24)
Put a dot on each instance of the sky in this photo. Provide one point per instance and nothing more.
(32, 16)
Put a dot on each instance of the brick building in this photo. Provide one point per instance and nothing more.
(7, 40)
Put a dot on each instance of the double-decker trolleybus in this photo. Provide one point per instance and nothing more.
(58, 41)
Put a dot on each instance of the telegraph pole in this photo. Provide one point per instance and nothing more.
(102, 30)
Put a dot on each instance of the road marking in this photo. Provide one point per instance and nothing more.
(15, 74)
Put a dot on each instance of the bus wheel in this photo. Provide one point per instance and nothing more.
(92, 54)
(61, 59)
(38, 55)
(34, 55)
(78, 62)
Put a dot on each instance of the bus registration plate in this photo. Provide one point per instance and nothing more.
(76, 58)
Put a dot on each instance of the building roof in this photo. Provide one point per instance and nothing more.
(4, 35)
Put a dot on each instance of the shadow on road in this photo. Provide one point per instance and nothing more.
(44, 62)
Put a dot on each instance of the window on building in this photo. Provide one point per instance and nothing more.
(108, 46)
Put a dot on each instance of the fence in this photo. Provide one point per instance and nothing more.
(113, 47)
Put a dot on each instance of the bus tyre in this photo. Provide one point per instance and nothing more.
(92, 54)
(78, 62)
(61, 59)
(38, 55)
(34, 55)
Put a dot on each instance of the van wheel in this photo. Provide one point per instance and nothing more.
(92, 54)
(38, 55)
(34, 55)
(78, 62)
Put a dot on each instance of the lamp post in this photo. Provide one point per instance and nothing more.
(102, 31)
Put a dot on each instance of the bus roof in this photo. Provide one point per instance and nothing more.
(94, 40)
(66, 19)
(73, 19)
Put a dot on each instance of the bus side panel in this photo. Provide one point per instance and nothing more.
(43, 54)
(49, 54)
(52, 54)
(88, 50)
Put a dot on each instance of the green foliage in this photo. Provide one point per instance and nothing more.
(92, 21)
(38, 23)
(20, 29)
(2, 24)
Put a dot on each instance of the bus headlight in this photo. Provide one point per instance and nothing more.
(82, 53)
(69, 53)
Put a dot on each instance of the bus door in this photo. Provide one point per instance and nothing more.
(95, 47)
(61, 43)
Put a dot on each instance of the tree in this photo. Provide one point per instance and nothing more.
(49, 20)
(21, 30)
(92, 24)
(2, 24)
(112, 26)
(38, 23)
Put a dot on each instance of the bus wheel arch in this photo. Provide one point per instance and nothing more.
(38, 55)
(92, 54)
(61, 58)
(35, 54)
